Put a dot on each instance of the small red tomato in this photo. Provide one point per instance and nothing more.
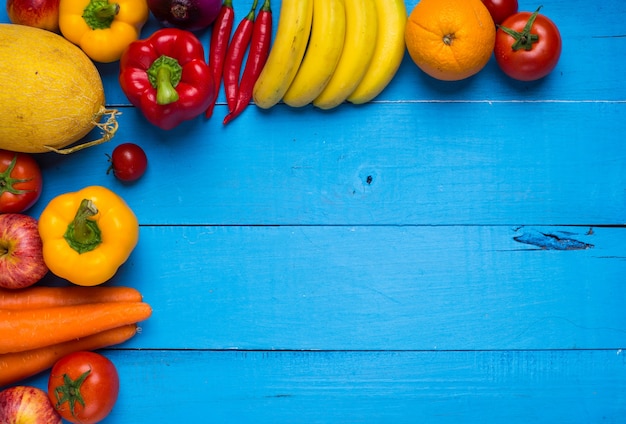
(528, 46)
(501, 9)
(83, 387)
(128, 162)
(20, 182)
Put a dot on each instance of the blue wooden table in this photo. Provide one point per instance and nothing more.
(451, 252)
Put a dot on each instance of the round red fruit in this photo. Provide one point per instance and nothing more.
(128, 162)
(83, 387)
(528, 46)
(26, 404)
(20, 182)
(21, 251)
(501, 9)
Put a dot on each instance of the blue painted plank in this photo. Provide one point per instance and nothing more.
(575, 386)
(552, 240)
(373, 287)
(409, 164)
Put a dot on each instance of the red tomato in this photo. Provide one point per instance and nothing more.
(20, 181)
(501, 9)
(128, 162)
(83, 387)
(528, 46)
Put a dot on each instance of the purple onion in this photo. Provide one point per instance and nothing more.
(192, 15)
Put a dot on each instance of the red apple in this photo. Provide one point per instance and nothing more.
(27, 404)
(42, 14)
(21, 256)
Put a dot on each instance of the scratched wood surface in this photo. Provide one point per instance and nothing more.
(452, 252)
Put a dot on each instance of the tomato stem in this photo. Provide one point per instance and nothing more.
(69, 392)
(524, 39)
(7, 182)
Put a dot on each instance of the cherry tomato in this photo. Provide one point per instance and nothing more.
(128, 162)
(83, 387)
(20, 181)
(528, 46)
(501, 9)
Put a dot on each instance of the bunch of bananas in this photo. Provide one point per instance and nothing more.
(329, 51)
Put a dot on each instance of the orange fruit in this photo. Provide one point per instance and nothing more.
(450, 39)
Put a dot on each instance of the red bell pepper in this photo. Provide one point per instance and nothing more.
(167, 78)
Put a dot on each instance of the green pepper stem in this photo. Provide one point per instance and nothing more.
(99, 14)
(83, 234)
(252, 12)
(166, 93)
(107, 11)
(164, 74)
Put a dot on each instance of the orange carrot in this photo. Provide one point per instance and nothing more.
(20, 365)
(45, 297)
(27, 329)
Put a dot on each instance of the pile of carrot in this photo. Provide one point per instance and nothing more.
(39, 325)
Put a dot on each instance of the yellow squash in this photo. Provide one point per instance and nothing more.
(51, 93)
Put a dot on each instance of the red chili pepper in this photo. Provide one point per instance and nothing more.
(234, 57)
(167, 77)
(259, 51)
(220, 37)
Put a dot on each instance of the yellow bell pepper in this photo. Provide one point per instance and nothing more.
(102, 29)
(87, 235)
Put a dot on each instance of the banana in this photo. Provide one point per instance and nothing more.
(389, 51)
(322, 54)
(292, 36)
(358, 49)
